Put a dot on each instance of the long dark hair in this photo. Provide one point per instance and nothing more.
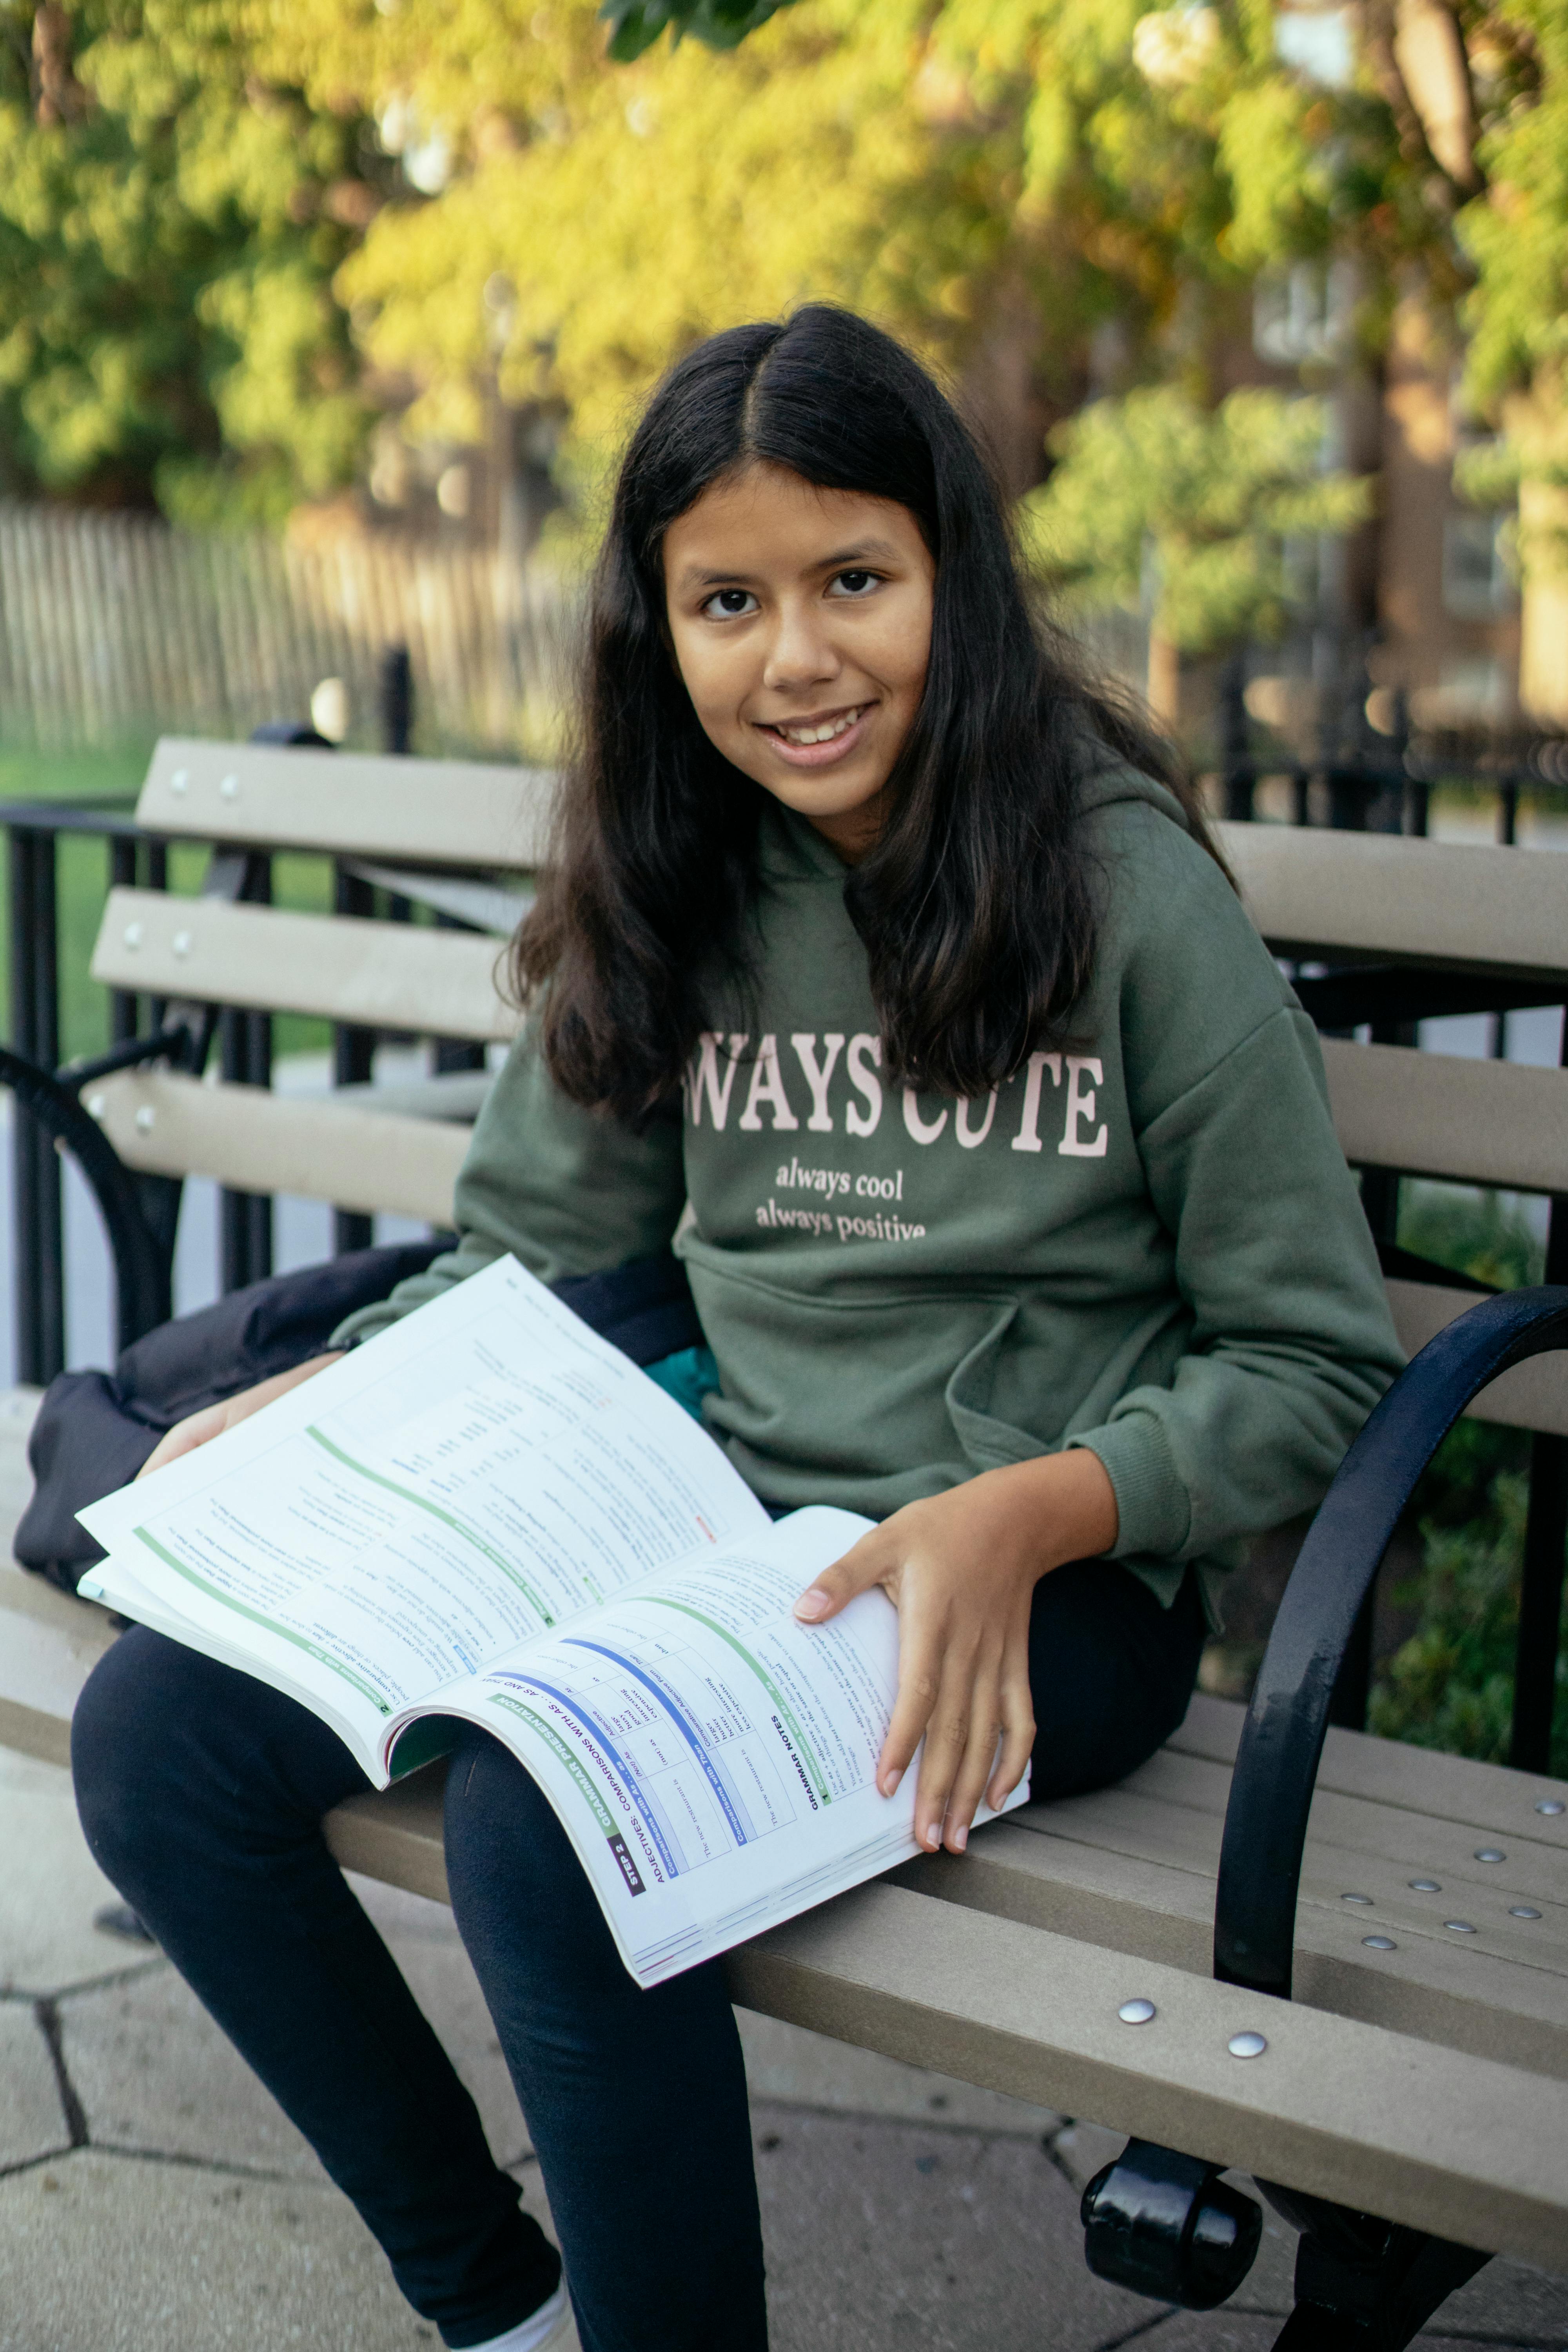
(977, 904)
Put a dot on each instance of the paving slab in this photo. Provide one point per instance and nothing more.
(106, 2254)
(52, 1885)
(885, 2235)
(1221, 2331)
(154, 2074)
(1510, 2302)
(1203, 2331)
(32, 2120)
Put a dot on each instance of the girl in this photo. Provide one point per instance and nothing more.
(1016, 1221)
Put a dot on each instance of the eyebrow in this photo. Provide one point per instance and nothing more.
(841, 560)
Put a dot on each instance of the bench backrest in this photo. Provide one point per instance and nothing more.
(417, 812)
(1343, 898)
(1384, 896)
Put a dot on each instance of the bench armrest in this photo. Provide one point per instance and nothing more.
(1282, 1738)
(141, 1269)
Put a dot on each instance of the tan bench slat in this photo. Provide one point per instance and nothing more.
(1489, 1797)
(484, 905)
(258, 1142)
(446, 812)
(929, 2013)
(1533, 1395)
(19, 1410)
(1186, 1772)
(1122, 1826)
(1440, 1115)
(1457, 1997)
(1439, 2139)
(50, 1644)
(458, 1096)
(1025, 2011)
(342, 967)
(1033, 2012)
(396, 1834)
(1130, 1822)
(1429, 1841)
(1350, 1843)
(1381, 894)
(1144, 1908)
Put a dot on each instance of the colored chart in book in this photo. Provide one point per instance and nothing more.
(701, 1719)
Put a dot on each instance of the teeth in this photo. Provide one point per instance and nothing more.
(823, 734)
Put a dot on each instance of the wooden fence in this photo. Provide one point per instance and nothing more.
(113, 628)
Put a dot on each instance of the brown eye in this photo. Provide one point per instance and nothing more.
(730, 603)
(856, 584)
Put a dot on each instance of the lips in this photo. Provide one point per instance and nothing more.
(819, 730)
(817, 742)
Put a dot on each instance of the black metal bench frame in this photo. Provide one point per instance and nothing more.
(1164, 2223)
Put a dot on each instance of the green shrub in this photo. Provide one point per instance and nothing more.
(1450, 1683)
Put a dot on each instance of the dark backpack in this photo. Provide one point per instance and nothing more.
(95, 1430)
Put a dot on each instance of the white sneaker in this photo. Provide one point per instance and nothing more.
(560, 2332)
(564, 2335)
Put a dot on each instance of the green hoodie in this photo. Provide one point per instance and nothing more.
(1147, 1242)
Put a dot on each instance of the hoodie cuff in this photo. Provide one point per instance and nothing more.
(365, 1323)
(1155, 1511)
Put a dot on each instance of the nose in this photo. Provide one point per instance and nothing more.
(801, 653)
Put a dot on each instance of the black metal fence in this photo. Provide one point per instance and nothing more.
(1365, 783)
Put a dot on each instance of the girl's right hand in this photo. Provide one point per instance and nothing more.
(198, 1428)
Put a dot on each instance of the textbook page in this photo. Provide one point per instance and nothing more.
(712, 1760)
(483, 1470)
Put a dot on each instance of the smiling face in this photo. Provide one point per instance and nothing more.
(801, 623)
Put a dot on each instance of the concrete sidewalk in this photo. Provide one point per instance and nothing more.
(153, 2199)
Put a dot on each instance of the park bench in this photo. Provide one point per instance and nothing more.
(1334, 1963)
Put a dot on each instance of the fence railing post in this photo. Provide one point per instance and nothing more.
(244, 1048)
(353, 1057)
(38, 1221)
(1238, 775)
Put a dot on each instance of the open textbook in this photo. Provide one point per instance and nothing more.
(489, 1512)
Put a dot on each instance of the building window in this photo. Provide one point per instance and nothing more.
(1476, 581)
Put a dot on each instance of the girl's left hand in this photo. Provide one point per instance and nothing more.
(961, 1569)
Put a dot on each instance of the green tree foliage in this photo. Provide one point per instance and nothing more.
(1517, 230)
(216, 217)
(1516, 233)
(170, 225)
(964, 170)
(1187, 512)
(1170, 145)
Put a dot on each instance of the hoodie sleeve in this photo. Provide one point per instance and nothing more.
(1292, 1342)
(562, 1190)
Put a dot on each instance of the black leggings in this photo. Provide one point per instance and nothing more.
(201, 1793)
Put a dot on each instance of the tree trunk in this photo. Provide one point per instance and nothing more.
(1165, 687)
(1543, 657)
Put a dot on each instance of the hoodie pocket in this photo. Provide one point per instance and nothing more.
(987, 1442)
